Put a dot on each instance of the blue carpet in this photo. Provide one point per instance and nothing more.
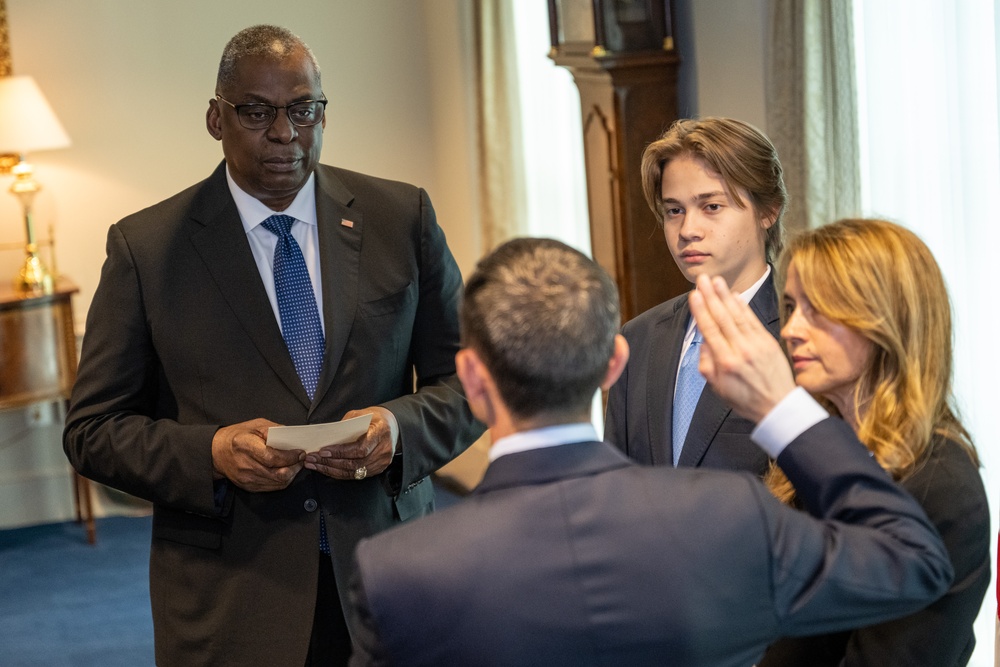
(66, 603)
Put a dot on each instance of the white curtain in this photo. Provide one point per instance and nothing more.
(930, 160)
(532, 180)
(498, 132)
(551, 142)
(551, 136)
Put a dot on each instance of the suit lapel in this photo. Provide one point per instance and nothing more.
(222, 245)
(711, 410)
(765, 305)
(661, 378)
(340, 235)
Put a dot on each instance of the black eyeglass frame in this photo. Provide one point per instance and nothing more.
(274, 108)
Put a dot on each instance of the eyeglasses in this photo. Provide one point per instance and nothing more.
(258, 116)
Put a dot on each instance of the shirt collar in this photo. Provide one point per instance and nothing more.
(550, 436)
(253, 211)
(748, 294)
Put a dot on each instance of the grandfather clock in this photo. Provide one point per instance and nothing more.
(622, 58)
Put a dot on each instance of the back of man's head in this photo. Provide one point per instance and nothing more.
(543, 318)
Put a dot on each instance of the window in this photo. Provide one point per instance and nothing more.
(927, 98)
(552, 139)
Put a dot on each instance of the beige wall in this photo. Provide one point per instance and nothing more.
(729, 57)
(130, 81)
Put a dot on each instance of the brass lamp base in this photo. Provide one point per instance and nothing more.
(33, 278)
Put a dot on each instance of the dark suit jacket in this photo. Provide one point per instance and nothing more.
(950, 490)
(639, 414)
(574, 555)
(181, 339)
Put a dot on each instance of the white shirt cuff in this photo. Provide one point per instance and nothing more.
(793, 416)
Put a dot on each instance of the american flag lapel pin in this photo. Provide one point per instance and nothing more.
(347, 223)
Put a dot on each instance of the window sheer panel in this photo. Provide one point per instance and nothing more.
(552, 138)
(931, 161)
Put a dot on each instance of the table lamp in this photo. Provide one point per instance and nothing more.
(27, 123)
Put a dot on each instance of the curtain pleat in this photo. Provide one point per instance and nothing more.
(812, 109)
(501, 184)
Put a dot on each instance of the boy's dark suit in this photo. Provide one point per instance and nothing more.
(181, 339)
(640, 405)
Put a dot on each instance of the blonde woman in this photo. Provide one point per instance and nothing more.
(867, 325)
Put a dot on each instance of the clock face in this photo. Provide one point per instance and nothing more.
(603, 27)
(576, 21)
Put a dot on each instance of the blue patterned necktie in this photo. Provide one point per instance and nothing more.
(689, 385)
(300, 323)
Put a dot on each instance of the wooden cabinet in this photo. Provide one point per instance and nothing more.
(38, 362)
(37, 346)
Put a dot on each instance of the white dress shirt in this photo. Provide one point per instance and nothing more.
(304, 230)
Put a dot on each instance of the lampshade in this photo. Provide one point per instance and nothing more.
(27, 122)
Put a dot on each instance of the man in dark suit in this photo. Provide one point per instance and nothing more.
(568, 553)
(716, 187)
(215, 319)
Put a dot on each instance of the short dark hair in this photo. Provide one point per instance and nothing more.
(259, 40)
(742, 156)
(543, 318)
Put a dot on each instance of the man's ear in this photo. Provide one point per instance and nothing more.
(466, 362)
(212, 119)
(616, 365)
(767, 221)
(475, 378)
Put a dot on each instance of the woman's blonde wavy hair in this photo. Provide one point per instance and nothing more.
(880, 280)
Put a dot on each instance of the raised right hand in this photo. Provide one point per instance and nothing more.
(741, 361)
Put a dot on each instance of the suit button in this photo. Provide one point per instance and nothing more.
(310, 505)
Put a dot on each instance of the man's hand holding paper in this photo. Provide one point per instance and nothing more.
(313, 437)
(241, 455)
(363, 457)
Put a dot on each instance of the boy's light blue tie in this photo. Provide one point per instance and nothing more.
(300, 323)
(689, 386)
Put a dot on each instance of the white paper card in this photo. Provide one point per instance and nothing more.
(314, 437)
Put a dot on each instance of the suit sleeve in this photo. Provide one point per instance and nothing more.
(874, 556)
(111, 436)
(951, 492)
(435, 423)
